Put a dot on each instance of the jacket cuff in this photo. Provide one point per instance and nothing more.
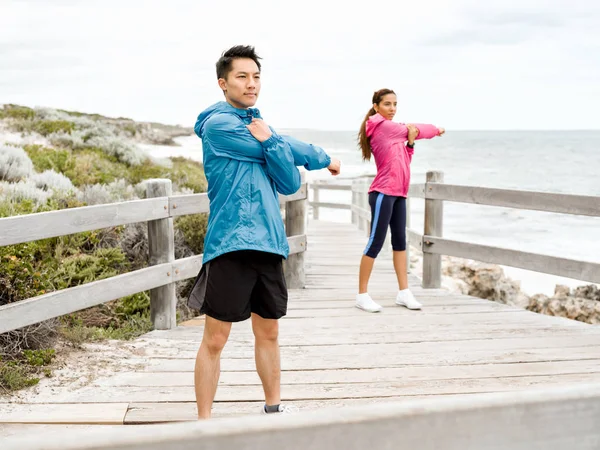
(271, 142)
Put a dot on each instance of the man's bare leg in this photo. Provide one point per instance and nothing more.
(266, 353)
(208, 364)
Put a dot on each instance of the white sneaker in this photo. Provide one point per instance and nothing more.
(366, 303)
(406, 298)
(285, 409)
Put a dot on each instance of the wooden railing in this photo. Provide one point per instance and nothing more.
(433, 245)
(164, 271)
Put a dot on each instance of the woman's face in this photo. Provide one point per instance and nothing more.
(387, 106)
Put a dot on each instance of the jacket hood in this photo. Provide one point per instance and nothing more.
(373, 122)
(218, 108)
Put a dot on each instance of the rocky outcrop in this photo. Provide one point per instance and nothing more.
(485, 281)
(581, 303)
(488, 281)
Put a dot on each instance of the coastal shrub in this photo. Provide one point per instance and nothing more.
(49, 180)
(17, 112)
(45, 158)
(23, 191)
(92, 166)
(193, 228)
(73, 141)
(123, 150)
(187, 173)
(145, 171)
(15, 164)
(48, 127)
(24, 371)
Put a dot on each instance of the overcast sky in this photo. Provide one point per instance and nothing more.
(462, 64)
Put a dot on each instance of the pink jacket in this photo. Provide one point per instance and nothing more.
(392, 156)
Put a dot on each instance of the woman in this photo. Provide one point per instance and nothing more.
(392, 145)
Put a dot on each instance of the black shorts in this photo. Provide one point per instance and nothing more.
(231, 286)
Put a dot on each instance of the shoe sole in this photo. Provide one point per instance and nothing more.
(408, 307)
(368, 310)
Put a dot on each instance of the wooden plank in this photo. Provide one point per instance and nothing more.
(330, 186)
(359, 376)
(297, 244)
(329, 205)
(59, 303)
(500, 356)
(148, 413)
(94, 413)
(520, 199)
(300, 194)
(391, 309)
(181, 205)
(314, 391)
(416, 190)
(436, 350)
(302, 338)
(32, 227)
(300, 333)
(185, 268)
(570, 268)
(415, 238)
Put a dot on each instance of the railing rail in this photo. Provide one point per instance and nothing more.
(433, 245)
(164, 270)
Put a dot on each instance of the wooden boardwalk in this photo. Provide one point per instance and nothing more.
(336, 355)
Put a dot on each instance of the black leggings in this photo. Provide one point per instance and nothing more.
(386, 210)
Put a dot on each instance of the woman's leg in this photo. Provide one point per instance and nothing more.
(381, 210)
(398, 229)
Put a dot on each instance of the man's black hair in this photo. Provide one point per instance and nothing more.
(239, 51)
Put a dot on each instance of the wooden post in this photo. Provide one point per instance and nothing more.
(295, 219)
(161, 249)
(315, 201)
(434, 212)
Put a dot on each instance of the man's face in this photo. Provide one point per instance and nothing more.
(242, 85)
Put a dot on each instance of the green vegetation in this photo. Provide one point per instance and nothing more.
(97, 156)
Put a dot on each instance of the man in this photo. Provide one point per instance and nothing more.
(246, 164)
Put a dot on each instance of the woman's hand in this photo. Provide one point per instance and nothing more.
(413, 132)
(441, 130)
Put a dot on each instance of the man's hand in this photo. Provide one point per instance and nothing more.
(334, 166)
(260, 130)
(442, 131)
(413, 132)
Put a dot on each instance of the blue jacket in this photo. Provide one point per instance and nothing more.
(244, 177)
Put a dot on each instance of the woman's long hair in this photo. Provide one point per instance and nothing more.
(363, 140)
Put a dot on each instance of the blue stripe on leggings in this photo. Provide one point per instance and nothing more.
(375, 220)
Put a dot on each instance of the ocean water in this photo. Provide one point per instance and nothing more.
(548, 161)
